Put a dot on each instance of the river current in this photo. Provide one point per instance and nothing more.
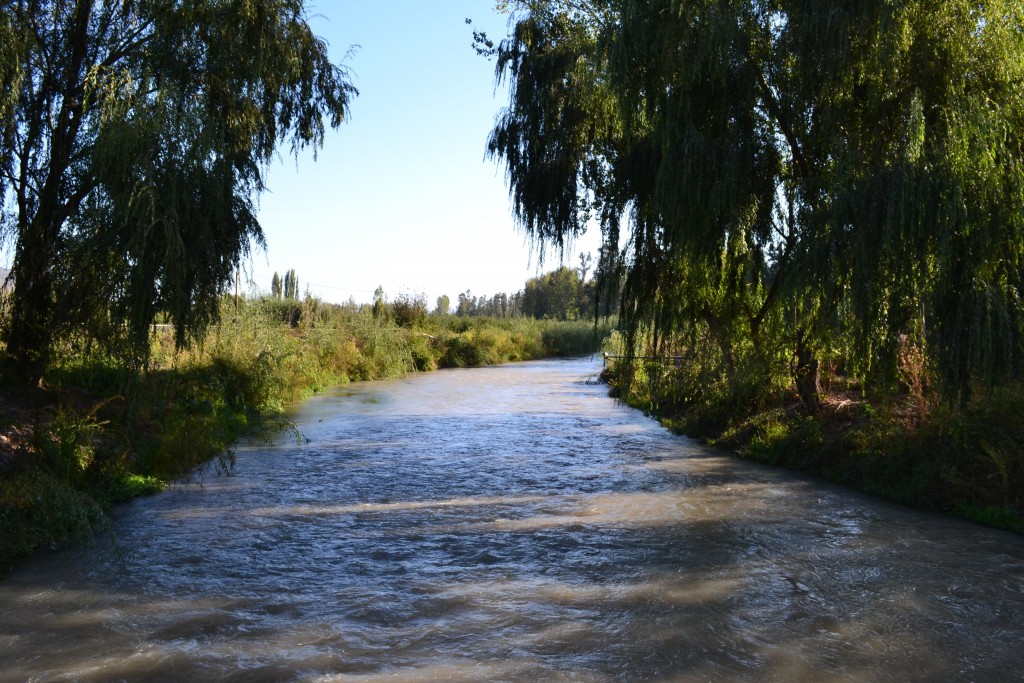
(513, 524)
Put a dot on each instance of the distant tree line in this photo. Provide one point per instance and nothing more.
(562, 294)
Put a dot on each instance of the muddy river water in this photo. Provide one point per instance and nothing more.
(513, 524)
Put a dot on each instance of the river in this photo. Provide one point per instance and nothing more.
(513, 524)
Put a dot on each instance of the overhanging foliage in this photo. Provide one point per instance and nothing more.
(796, 175)
(134, 138)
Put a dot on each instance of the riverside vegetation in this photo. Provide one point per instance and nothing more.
(105, 433)
(903, 443)
(816, 213)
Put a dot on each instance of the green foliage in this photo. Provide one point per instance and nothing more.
(290, 286)
(573, 338)
(793, 177)
(467, 304)
(557, 295)
(476, 342)
(409, 310)
(999, 516)
(380, 303)
(121, 486)
(38, 509)
(562, 294)
(284, 311)
(443, 305)
(966, 460)
(133, 142)
(548, 137)
(66, 443)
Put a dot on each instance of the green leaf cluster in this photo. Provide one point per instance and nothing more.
(134, 136)
(786, 181)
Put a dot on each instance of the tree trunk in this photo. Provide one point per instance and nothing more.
(29, 337)
(805, 374)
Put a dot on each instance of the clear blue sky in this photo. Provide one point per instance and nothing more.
(401, 195)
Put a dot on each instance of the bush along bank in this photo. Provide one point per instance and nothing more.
(910, 446)
(103, 433)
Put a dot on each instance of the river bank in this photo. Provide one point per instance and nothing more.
(102, 433)
(961, 459)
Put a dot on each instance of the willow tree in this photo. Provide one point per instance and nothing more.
(134, 146)
(615, 113)
(819, 169)
(927, 201)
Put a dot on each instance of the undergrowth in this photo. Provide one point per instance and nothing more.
(965, 459)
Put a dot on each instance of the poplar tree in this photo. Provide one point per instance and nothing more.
(443, 304)
(291, 285)
(379, 303)
(134, 136)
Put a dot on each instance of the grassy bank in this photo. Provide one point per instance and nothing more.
(965, 459)
(101, 434)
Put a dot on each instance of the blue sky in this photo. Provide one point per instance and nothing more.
(401, 195)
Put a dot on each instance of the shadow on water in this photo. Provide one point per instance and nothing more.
(436, 533)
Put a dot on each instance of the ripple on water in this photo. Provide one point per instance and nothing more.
(514, 524)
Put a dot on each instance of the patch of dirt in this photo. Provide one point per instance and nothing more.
(18, 419)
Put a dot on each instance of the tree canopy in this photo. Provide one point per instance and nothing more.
(134, 137)
(792, 175)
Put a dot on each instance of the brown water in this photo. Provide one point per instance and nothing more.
(514, 524)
